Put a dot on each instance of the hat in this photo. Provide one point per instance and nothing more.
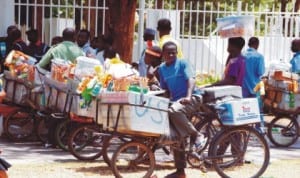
(32, 31)
(149, 31)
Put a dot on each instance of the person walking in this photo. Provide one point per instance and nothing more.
(295, 61)
(254, 67)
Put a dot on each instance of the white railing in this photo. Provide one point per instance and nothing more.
(194, 25)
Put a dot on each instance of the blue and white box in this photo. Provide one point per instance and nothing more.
(240, 111)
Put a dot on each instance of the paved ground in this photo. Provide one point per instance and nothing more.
(33, 153)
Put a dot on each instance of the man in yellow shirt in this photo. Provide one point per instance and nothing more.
(164, 28)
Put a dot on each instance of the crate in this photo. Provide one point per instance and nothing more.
(213, 93)
(240, 112)
(138, 114)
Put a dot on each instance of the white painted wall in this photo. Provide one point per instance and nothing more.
(7, 15)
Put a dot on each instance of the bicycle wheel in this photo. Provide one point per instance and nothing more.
(42, 131)
(62, 133)
(110, 145)
(19, 125)
(209, 128)
(240, 151)
(133, 157)
(86, 142)
(283, 131)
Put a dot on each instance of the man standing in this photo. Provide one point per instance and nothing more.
(36, 48)
(66, 50)
(295, 61)
(255, 68)
(235, 69)
(149, 35)
(164, 28)
(177, 78)
(83, 41)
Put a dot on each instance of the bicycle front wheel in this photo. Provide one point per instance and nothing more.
(283, 131)
(240, 152)
(86, 142)
(133, 157)
(19, 125)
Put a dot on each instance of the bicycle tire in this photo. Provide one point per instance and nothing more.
(133, 157)
(209, 130)
(248, 157)
(62, 133)
(42, 131)
(110, 145)
(19, 125)
(86, 142)
(283, 131)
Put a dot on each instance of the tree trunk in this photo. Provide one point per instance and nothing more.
(297, 6)
(121, 26)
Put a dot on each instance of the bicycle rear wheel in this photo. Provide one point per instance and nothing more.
(283, 131)
(239, 152)
(133, 157)
(86, 142)
(19, 125)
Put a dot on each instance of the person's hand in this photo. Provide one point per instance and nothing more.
(185, 100)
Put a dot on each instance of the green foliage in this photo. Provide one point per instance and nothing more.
(204, 79)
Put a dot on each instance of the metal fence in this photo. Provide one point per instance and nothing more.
(193, 24)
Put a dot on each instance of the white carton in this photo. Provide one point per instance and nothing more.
(240, 112)
(212, 93)
(85, 66)
(141, 113)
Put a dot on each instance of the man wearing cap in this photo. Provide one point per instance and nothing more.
(36, 48)
(149, 35)
(164, 28)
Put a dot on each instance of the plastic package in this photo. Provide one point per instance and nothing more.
(85, 66)
(235, 26)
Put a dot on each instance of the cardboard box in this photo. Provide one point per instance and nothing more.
(139, 113)
(213, 93)
(240, 112)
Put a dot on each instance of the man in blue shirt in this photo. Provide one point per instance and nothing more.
(295, 61)
(177, 78)
(255, 67)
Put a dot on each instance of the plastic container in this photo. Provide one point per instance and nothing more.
(236, 26)
(85, 66)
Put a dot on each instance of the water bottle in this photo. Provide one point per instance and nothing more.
(2, 49)
(292, 100)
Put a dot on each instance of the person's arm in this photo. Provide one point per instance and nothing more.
(46, 60)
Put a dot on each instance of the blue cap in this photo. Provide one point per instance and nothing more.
(149, 31)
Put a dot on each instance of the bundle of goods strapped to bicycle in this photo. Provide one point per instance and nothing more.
(282, 99)
(121, 120)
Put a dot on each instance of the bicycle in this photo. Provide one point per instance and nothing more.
(22, 122)
(235, 158)
(283, 130)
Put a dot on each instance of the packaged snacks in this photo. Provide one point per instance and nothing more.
(60, 70)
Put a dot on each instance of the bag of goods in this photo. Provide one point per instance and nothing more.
(20, 65)
(60, 69)
(85, 66)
